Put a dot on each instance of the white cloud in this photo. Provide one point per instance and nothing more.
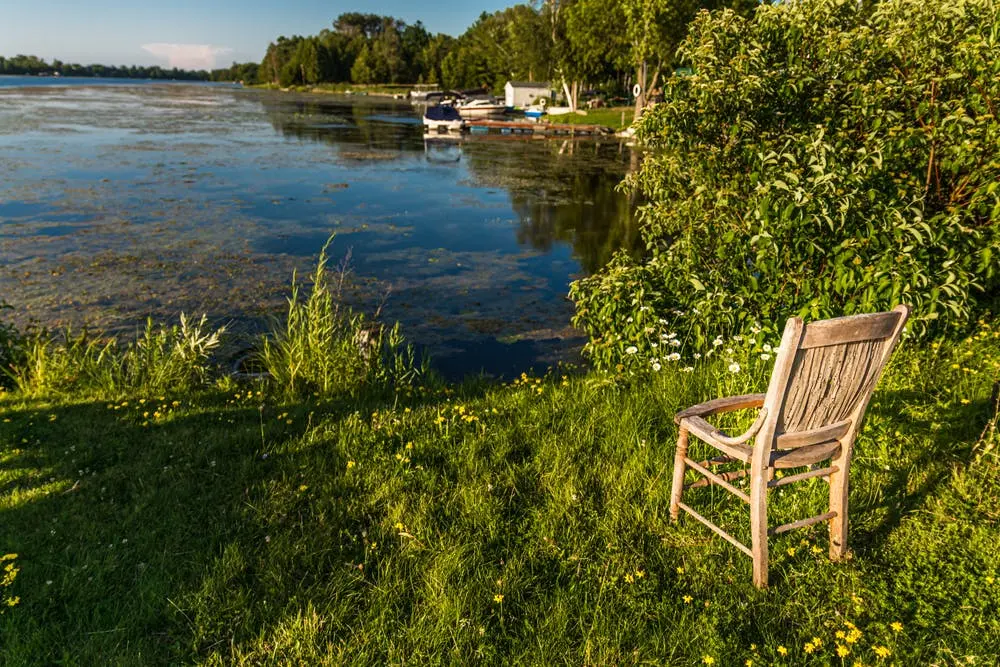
(187, 56)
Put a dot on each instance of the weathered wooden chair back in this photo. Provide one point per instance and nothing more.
(833, 370)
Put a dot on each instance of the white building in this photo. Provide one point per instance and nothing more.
(523, 93)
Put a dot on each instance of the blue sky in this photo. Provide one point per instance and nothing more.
(115, 31)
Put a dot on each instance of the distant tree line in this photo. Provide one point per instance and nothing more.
(575, 44)
(32, 65)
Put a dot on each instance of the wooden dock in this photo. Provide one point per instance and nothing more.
(541, 128)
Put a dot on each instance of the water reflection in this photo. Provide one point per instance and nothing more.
(563, 191)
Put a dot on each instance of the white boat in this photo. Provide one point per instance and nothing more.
(442, 117)
(481, 109)
(535, 112)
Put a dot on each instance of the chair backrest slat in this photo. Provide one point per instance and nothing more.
(849, 329)
(834, 370)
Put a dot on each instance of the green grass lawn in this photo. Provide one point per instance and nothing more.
(486, 524)
(611, 117)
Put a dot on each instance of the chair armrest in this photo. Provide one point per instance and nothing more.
(720, 436)
(717, 405)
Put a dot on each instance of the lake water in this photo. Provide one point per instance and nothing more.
(127, 201)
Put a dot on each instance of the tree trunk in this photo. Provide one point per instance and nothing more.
(640, 80)
(571, 92)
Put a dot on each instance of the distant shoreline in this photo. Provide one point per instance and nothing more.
(35, 81)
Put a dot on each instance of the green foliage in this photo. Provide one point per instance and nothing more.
(161, 360)
(33, 65)
(505, 45)
(821, 160)
(11, 348)
(361, 48)
(324, 348)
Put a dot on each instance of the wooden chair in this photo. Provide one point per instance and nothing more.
(823, 377)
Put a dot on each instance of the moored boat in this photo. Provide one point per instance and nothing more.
(441, 117)
(481, 109)
(534, 112)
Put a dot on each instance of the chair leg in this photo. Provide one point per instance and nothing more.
(679, 467)
(758, 524)
(838, 503)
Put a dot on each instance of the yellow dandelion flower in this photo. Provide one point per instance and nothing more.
(498, 598)
(680, 570)
(791, 551)
(809, 647)
(881, 651)
(351, 464)
(629, 579)
(897, 626)
(839, 634)
(440, 420)
(816, 549)
(707, 660)
(639, 574)
(843, 651)
(748, 663)
(782, 650)
(817, 642)
(687, 599)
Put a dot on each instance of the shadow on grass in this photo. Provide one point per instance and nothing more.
(916, 474)
(118, 515)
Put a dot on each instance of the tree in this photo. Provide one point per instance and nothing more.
(655, 28)
(822, 159)
(597, 47)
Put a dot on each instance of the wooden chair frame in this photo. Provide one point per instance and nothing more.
(823, 377)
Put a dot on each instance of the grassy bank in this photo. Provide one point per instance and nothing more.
(617, 118)
(382, 90)
(412, 521)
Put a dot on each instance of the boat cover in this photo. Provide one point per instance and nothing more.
(442, 113)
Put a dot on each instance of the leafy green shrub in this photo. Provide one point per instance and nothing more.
(823, 158)
(160, 360)
(323, 347)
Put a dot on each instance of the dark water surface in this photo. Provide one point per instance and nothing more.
(127, 201)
